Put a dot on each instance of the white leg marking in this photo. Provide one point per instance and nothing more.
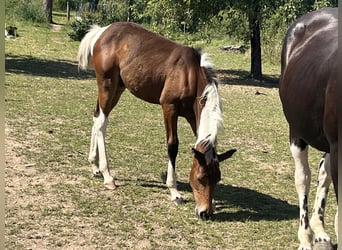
(302, 182)
(317, 219)
(171, 182)
(99, 130)
(336, 224)
(93, 152)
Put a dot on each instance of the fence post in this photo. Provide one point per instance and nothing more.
(68, 11)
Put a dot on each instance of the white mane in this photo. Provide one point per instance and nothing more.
(211, 121)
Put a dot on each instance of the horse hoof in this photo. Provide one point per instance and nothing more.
(179, 201)
(110, 186)
(97, 175)
(323, 245)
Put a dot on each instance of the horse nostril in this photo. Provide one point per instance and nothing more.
(204, 215)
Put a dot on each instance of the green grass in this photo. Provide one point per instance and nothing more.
(59, 205)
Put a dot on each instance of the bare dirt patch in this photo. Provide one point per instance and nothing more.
(56, 27)
(31, 195)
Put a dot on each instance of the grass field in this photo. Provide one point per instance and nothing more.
(52, 202)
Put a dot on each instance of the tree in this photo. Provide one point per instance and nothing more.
(256, 11)
(254, 19)
(130, 10)
(47, 7)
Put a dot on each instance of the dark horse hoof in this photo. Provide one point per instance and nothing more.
(323, 245)
(179, 201)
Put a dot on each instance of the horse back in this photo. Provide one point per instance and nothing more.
(150, 66)
(309, 68)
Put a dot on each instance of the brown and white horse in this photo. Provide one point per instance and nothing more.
(308, 87)
(159, 71)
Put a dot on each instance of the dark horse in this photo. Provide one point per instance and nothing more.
(159, 71)
(308, 87)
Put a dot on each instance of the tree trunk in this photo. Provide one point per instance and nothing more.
(254, 26)
(96, 4)
(47, 6)
(129, 12)
(68, 11)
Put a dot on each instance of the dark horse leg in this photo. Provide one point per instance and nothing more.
(109, 92)
(330, 128)
(334, 174)
(170, 112)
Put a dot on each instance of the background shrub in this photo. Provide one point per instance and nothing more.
(30, 10)
(81, 26)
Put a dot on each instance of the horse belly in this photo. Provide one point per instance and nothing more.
(304, 112)
(142, 83)
(145, 91)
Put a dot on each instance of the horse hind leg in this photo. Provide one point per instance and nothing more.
(93, 152)
(110, 91)
(97, 147)
(317, 220)
(299, 150)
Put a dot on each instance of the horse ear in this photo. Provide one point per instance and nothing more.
(226, 155)
(200, 157)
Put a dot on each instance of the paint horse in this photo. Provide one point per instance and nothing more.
(308, 87)
(160, 71)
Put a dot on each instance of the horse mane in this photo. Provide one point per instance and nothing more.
(85, 50)
(211, 121)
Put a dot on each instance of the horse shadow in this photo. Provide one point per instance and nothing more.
(240, 203)
(46, 68)
(243, 204)
(243, 77)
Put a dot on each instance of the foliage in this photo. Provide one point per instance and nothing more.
(111, 11)
(276, 23)
(233, 23)
(165, 16)
(80, 27)
(206, 17)
(107, 12)
(61, 5)
(25, 10)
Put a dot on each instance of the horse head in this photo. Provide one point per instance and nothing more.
(205, 174)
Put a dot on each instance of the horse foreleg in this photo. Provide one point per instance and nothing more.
(317, 219)
(302, 182)
(170, 120)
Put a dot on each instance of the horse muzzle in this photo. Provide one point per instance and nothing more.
(204, 214)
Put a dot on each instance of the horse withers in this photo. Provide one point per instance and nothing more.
(308, 86)
(160, 71)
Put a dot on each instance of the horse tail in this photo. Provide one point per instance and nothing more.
(85, 50)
